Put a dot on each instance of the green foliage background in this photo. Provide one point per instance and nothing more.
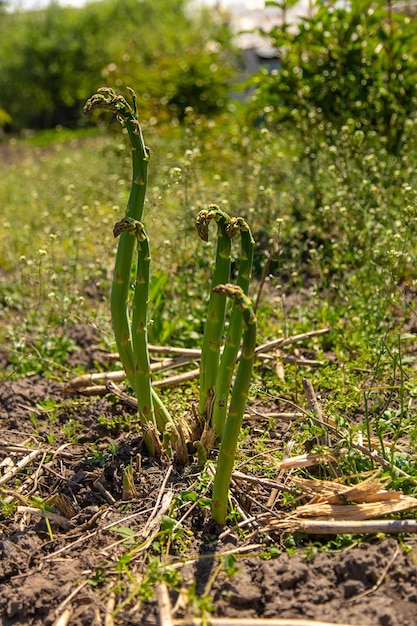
(51, 60)
(346, 63)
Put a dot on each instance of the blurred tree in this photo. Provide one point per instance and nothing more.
(179, 60)
(48, 61)
(51, 60)
(346, 63)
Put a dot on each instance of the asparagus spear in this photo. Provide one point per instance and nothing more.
(107, 99)
(234, 334)
(240, 391)
(127, 344)
(213, 331)
(142, 370)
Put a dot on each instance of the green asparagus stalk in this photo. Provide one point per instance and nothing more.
(213, 331)
(151, 408)
(127, 342)
(142, 369)
(234, 334)
(107, 99)
(240, 392)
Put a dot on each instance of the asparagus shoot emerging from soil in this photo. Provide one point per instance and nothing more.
(234, 334)
(107, 99)
(213, 331)
(240, 392)
(131, 335)
(142, 369)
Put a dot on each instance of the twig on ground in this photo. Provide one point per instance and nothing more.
(110, 604)
(361, 511)
(189, 352)
(31, 480)
(286, 341)
(373, 454)
(89, 380)
(53, 517)
(265, 482)
(249, 521)
(150, 524)
(275, 415)
(248, 550)
(63, 619)
(330, 425)
(243, 514)
(11, 496)
(14, 447)
(19, 466)
(85, 384)
(119, 393)
(176, 380)
(315, 408)
(169, 381)
(84, 538)
(292, 359)
(30, 485)
(150, 532)
(164, 605)
(225, 621)
(333, 527)
(103, 492)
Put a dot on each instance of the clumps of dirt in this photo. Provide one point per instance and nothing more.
(22, 406)
(372, 584)
(36, 587)
(37, 590)
(78, 565)
(87, 351)
(19, 397)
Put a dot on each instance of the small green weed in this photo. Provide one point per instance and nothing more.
(72, 430)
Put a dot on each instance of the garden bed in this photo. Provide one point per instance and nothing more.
(106, 555)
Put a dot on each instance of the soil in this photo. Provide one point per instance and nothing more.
(77, 568)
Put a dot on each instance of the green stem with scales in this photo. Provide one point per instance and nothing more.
(132, 346)
(240, 392)
(107, 99)
(234, 334)
(139, 327)
(131, 335)
(213, 330)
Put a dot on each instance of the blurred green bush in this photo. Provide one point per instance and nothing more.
(52, 59)
(346, 63)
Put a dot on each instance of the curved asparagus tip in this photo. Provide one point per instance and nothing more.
(204, 218)
(237, 224)
(239, 298)
(131, 331)
(106, 98)
(202, 224)
(128, 224)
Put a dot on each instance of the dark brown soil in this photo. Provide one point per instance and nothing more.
(80, 563)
